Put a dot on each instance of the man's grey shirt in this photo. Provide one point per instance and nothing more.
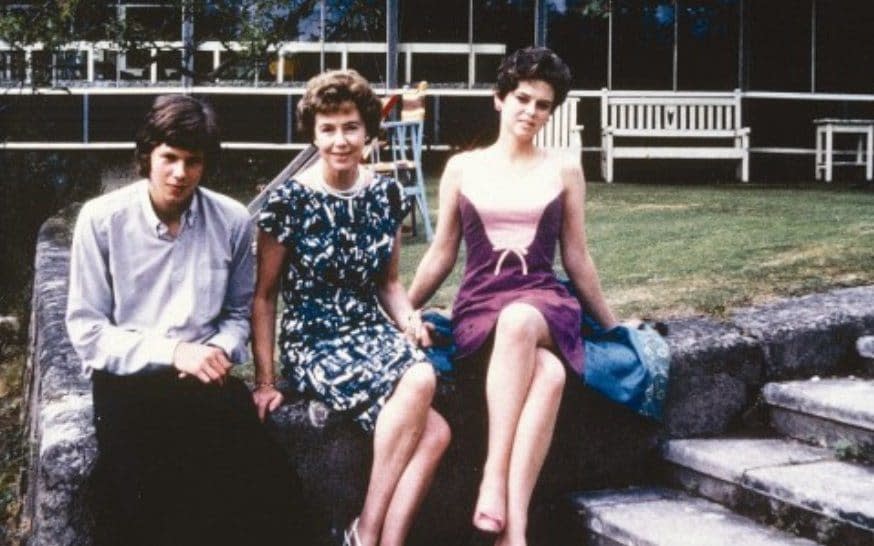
(136, 292)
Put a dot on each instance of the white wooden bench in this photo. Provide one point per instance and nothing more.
(562, 130)
(672, 115)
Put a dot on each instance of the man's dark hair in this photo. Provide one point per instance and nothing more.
(327, 93)
(179, 121)
(534, 63)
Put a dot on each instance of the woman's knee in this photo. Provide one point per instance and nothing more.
(550, 371)
(437, 435)
(519, 321)
(419, 381)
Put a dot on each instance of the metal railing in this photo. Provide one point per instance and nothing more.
(434, 94)
(93, 50)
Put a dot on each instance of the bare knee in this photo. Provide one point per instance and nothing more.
(437, 434)
(419, 382)
(549, 372)
(519, 322)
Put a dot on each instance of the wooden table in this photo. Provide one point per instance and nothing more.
(826, 128)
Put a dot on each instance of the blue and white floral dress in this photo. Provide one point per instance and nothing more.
(335, 342)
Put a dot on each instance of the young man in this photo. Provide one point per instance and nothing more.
(161, 283)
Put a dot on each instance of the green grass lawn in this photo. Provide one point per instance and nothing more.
(665, 251)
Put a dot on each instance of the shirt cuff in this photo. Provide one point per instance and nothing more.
(162, 350)
(230, 345)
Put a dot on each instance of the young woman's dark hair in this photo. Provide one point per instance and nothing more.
(327, 92)
(179, 121)
(534, 63)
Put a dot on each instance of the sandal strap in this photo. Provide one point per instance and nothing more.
(350, 536)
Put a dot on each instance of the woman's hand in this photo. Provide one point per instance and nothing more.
(417, 331)
(267, 398)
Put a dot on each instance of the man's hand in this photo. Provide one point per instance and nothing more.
(267, 398)
(206, 363)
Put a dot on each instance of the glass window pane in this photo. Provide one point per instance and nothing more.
(444, 22)
(643, 44)
(369, 65)
(301, 66)
(293, 20)
(508, 22)
(354, 20)
(845, 46)
(430, 21)
(707, 45)
(169, 65)
(71, 65)
(438, 68)
(154, 23)
(778, 53)
(579, 35)
(105, 64)
(136, 65)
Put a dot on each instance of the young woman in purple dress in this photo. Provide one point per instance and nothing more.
(514, 203)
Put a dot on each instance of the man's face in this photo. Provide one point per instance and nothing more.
(174, 175)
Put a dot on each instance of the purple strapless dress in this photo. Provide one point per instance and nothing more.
(510, 253)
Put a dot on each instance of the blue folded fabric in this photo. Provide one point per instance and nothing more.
(627, 365)
(443, 350)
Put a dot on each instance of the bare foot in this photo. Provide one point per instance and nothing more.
(491, 509)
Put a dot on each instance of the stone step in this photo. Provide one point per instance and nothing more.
(835, 413)
(665, 517)
(780, 482)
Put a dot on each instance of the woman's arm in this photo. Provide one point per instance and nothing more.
(440, 257)
(271, 257)
(574, 249)
(393, 298)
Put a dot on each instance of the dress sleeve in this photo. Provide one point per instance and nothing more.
(279, 216)
(397, 202)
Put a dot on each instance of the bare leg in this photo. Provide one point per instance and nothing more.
(519, 330)
(398, 429)
(415, 480)
(533, 437)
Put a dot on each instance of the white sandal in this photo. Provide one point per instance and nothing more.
(350, 535)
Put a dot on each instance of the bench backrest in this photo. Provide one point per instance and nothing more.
(671, 112)
(562, 130)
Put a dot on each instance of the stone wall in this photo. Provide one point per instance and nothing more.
(717, 371)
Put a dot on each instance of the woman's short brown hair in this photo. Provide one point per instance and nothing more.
(179, 121)
(327, 92)
(534, 63)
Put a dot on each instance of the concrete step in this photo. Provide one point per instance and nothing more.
(834, 413)
(780, 482)
(665, 517)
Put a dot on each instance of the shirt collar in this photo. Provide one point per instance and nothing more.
(160, 228)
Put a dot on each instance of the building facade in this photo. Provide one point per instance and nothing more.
(792, 60)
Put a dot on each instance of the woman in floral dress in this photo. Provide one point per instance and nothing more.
(331, 239)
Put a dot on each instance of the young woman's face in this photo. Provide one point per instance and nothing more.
(340, 138)
(525, 109)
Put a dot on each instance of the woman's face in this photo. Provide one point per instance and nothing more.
(340, 138)
(525, 109)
